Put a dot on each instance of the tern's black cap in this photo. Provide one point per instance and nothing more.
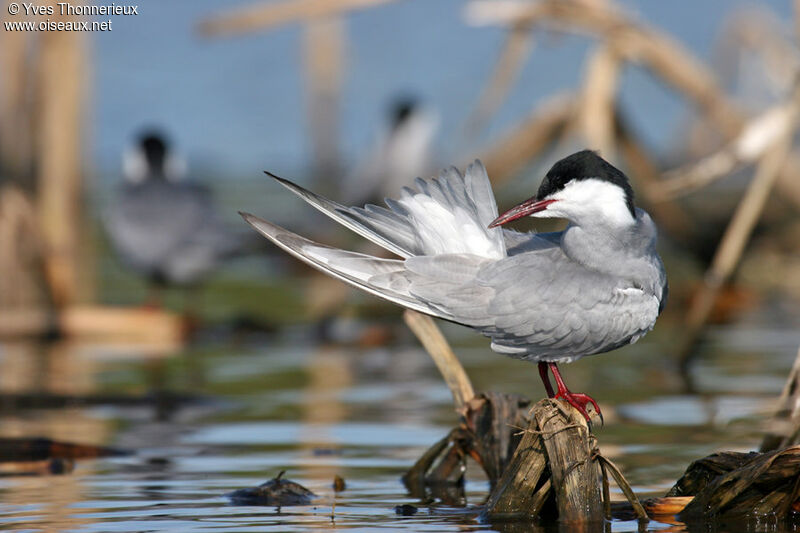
(154, 145)
(402, 108)
(583, 165)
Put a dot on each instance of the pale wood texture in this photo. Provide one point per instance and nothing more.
(62, 83)
(22, 280)
(574, 474)
(324, 44)
(267, 15)
(556, 454)
(599, 97)
(17, 101)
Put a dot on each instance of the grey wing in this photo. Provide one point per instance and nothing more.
(446, 214)
(537, 305)
(377, 276)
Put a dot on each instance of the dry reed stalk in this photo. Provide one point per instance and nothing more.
(635, 43)
(761, 33)
(599, 100)
(16, 125)
(524, 488)
(446, 361)
(638, 44)
(512, 152)
(324, 39)
(487, 432)
(62, 82)
(732, 244)
(796, 10)
(268, 15)
(517, 47)
(323, 50)
(759, 135)
(21, 269)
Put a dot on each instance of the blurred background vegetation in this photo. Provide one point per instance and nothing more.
(697, 105)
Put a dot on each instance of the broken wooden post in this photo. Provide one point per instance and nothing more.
(552, 468)
(553, 465)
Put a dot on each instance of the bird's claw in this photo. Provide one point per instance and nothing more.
(579, 401)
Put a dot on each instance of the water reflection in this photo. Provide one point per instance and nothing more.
(218, 416)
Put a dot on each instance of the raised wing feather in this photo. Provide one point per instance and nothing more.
(446, 214)
(351, 267)
(521, 290)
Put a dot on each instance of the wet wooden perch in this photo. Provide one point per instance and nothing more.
(553, 464)
(540, 462)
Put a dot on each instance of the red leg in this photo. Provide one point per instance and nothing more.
(575, 399)
(546, 379)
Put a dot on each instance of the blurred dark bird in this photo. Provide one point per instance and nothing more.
(404, 149)
(546, 298)
(166, 229)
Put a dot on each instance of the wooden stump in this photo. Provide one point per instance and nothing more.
(553, 471)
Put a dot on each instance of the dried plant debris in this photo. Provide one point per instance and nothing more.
(554, 472)
(739, 484)
(406, 509)
(488, 432)
(276, 492)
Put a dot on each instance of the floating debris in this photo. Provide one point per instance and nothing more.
(740, 484)
(338, 483)
(406, 509)
(276, 492)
